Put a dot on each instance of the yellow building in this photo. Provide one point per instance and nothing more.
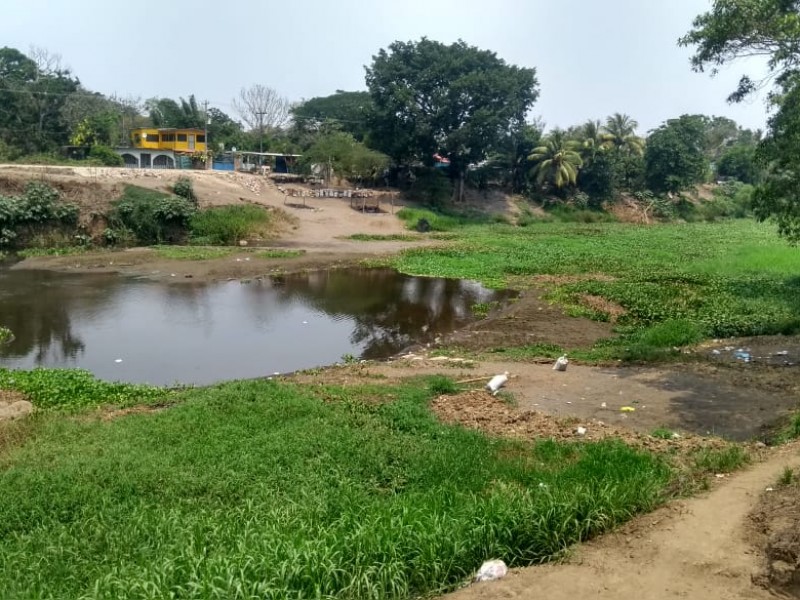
(177, 140)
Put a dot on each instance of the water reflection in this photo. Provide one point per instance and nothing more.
(199, 333)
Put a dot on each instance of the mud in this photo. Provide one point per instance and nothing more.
(776, 525)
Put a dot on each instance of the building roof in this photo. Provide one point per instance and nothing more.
(170, 129)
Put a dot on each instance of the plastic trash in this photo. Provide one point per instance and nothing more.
(491, 570)
(603, 405)
(496, 382)
(561, 363)
(715, 351)
(627, 409)
(742, 355)
(118, 360)
(581, 430)
(782, 353)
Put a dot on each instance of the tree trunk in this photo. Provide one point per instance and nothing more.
(458, 186)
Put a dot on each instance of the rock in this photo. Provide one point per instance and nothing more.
(491, 570)
(15, 410)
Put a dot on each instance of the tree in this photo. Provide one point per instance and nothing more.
(557, 161)
(166, 112)
(674, 159)
(739, 162)
(734, 29)
(620, 133)
(223, 131)
(262, 108)
(349, 110)
(340, 153)
(455, 100)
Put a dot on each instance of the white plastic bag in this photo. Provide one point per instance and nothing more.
(496, 382)
(491, 570)
(561, 363)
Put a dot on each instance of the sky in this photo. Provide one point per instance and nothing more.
(592, 58)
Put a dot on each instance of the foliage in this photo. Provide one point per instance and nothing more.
(52, 251)
(36, 210)
(674, 159)
(63, 389)
(619, 133)
(739, 162)
(184, 188)
(439, 220)
(347, 111)
(557, 161)
(430, 187)
(152, 216)
(347, 498)
(192, 252)
(6, 335)
(720, 460)
(735, 29)
(227, 225)
(166, 112)
(662, 433)
(106, 156)
(346, 157)
(455, 100)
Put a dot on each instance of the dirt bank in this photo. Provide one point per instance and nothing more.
(697, 548)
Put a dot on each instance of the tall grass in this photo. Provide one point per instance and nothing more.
(260, 489)
(226, 225)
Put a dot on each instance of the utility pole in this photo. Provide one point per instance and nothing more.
(261, 114)
(205, 131)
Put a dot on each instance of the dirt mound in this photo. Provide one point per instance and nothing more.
(13, 405)
(777, 523)
(477, 409)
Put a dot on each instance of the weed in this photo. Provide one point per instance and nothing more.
(439, 385)
(662, 433)
(723, 460)
(279, 253)
(6, 335)
(787, 477)
(152, 216)
(259, 489)
(482, 309)
(227, 225)
(193, 252)
(391, 237)
(185, 189)
(349, 359)
(57, 251)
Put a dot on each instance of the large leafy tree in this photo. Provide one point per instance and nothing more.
(735, 29)
(557, 161)
(456, 100)
(675, 158)
(166, 112)
(349, 111)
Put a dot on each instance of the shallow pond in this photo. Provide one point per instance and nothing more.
(145, 331)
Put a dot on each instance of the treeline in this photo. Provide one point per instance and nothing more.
(431, 111)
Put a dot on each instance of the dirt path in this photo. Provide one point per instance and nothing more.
(698, 548)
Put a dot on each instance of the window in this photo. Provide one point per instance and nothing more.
(151, 137)
(201, 139)
(181, 137)
(167, 137)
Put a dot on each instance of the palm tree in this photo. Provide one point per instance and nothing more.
(557, 161)
(591, 136)
(620, 132)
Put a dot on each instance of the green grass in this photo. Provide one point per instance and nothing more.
(50, 389)
(193, 252)
(60, 251)
(678, 283)
(662, 433)
(227, 225)
(725, 460)
(261, 489)
(439, 221)
(391, 237)
(279, 253)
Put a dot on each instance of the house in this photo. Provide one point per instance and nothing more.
(163, 148)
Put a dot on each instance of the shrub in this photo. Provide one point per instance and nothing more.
(106, 156)
(431, 187)
(225, 225)
(152, 216)
(185, 189)
(38, 208)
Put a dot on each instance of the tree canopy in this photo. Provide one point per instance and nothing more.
(735, 29)
(455, 100)
(674, 158)
(349, 111)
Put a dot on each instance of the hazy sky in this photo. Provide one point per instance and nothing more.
(592, 58)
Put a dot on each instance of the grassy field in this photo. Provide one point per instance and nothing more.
(275, 490)
(678, 283)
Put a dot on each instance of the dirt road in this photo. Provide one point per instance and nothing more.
(699, 548)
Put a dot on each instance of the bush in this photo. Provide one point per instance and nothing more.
(225, 225)
(153, 217)
(431, 187)
(37, 209)
(106, 156)
(185, 189)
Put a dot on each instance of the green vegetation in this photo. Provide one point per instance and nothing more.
(262, 489)
(227, 225)
(391, 237)
(6, 335)
(662, 433)
(193, 252)
(53, 251)
(153, 217)
(722, 460)
(75, 388)
(185, 189)
(37, 212)
(279, 253)
(787, 477)
(677, 284)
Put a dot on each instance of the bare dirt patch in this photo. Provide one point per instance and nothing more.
(776, 523)
(13, 405)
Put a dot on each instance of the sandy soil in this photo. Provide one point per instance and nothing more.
(697, 548)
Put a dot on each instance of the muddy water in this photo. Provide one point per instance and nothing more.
(144, 331)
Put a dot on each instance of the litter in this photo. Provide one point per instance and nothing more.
(742, 355)
(496, 382)
(603, 405)
(491, 570)
(581, 430)
(305, 322)
(715, 352)
(561, 363)
(769, 489)
(782, 353)
(720, 475)
(627, 409)
(675, 436)
(118, 360)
